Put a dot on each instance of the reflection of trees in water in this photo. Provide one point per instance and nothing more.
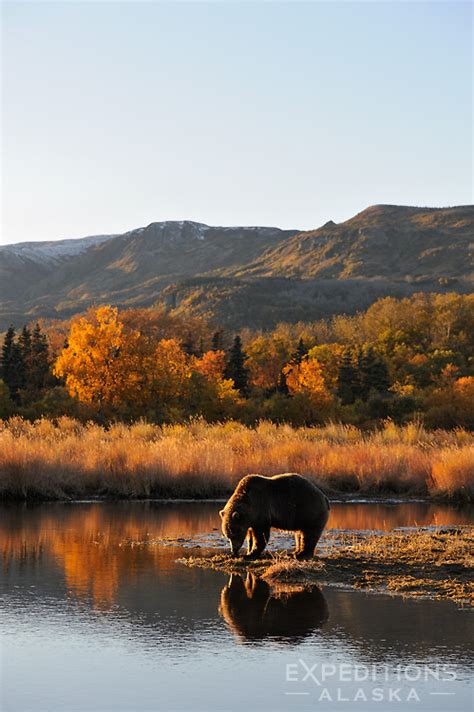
(254, 611)
(383, 517)
(99, 547)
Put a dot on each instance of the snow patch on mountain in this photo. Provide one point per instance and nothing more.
(53, 250)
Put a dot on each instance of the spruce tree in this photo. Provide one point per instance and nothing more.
(24, 341)
(40, 366)
(24, 345)
(12, 368)
(6, 357)
(374, 373)
(347, 379)
(235, 368)
(300, 352)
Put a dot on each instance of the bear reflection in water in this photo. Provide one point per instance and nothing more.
(253, 611)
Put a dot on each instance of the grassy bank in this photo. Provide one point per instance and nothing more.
(46, 460)
(422, 563)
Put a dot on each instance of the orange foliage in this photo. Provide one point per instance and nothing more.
(451, 404)
(118, 369)
(266, 358)
(96, 360)
(110, 366)
(307, 377)
(329, 357)
(211, 365)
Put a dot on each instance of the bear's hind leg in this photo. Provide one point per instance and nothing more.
(310, 538)
(298, 543)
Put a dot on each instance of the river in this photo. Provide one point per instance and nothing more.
(98, 616)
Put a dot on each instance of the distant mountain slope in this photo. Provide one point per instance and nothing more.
(127, 269)
(383, 241)
(244, 275)
(262, 303)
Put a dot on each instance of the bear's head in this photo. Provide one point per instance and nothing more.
(234, 527)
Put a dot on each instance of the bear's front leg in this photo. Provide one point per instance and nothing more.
(251, 543)
(261, 537)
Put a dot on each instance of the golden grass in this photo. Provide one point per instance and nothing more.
(65, 458)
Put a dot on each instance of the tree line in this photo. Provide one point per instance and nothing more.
(400, 359)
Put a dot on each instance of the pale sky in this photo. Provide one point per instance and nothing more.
(118, 114)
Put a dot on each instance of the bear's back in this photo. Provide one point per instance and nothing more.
(292, 483)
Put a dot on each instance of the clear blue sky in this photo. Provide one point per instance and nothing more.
(119, 114)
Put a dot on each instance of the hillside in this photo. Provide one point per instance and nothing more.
(48, 279)
(251, 276)
(384, 241)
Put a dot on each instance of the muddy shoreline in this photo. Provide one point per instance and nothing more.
(435, 562)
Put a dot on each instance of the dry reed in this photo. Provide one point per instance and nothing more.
(61, 459)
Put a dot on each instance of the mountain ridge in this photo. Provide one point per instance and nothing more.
(384, 249)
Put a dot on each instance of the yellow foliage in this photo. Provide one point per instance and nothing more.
(211, 366)
(266, 357)
(94, 362)
(451, 404)
(329, 357)
(112, 367)
(307, 377)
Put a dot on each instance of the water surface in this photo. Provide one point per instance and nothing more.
(92, 621)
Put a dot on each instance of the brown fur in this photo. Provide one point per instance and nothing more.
(287, 501)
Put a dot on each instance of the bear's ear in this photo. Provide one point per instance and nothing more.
(235, 515)
(221, 513)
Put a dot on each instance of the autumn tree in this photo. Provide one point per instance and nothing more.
(96, 364)
(211, 365)
(169, 374)
(329, 357)
(120, 370)
(213, 395)
(266, 357)
(310, 401)
(307, 377)
(450, 404)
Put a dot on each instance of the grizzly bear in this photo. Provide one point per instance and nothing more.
(253, 611)
(288, 502)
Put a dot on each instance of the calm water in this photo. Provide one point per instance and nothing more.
(90, 621)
